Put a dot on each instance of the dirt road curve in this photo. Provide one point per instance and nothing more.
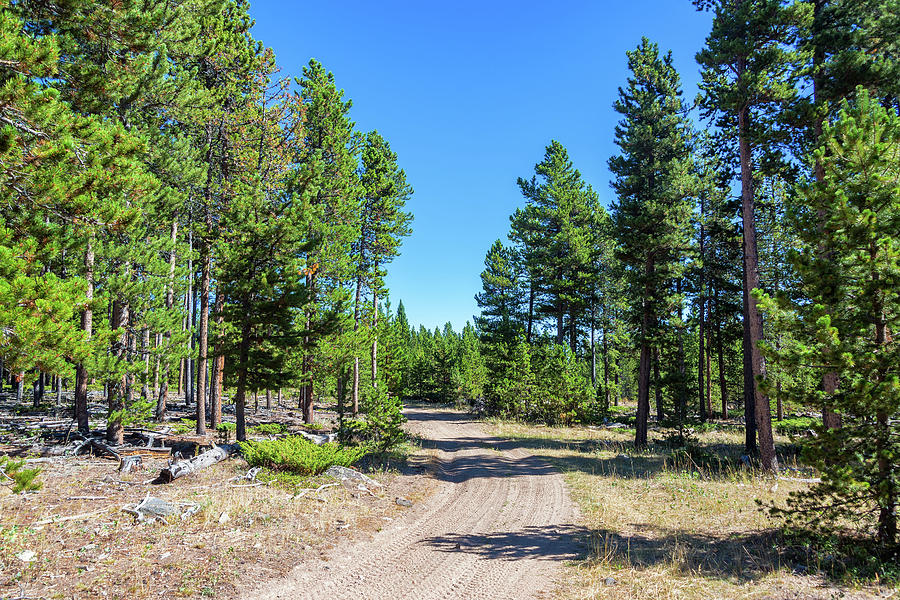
(499, 526)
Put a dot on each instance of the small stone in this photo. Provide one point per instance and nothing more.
(403, 502)
(609, 581)
(224, 518)
(26, 555)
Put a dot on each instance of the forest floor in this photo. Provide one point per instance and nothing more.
(72, 540)
(498, 510)
(663, 526)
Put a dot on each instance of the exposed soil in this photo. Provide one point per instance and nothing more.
(499, 524)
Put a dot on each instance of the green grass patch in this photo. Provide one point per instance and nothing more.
(299, 456)
(794, 426)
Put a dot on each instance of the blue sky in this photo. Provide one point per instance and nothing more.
(468, 94)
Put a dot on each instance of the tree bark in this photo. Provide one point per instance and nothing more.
(375, 336)
(162, 398)
(117, 389)
(657, 387)
(218, 362)
(643, 405)
(763, 412)
(701, 313)
(87, 324)
(203, 337)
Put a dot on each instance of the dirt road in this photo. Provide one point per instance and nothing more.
(500, 525)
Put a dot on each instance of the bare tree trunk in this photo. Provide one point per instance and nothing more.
(657, 387)
(87, 322)
(240, 394)
(593, 348)
(268, 399)
(163, 397)
(218, 363)
(375, 336)
(701, 308)
(530, 310)
(750, 446)
(203, 337)
(145, 352)
(189, 299)
(763, 412)
(118, 388)
(354, 390)
(643, 405)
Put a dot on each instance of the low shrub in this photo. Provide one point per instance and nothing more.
(297, 455)
(270, 428)
(184, 426)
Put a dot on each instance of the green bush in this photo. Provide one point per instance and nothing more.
(297, 455)
(270, 428)
(23, 480)
(184, 426)
(223, 427)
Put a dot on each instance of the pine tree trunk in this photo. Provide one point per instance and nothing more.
(701, 315)
(218, 362)
(20, 387)
(306, 394)
(593, 348)
(763, 413)
(530, 310)
(240, 394)
(709, 349)
(163, 397)
(87, 324)
(268, 399)
(203, 337)
(375, 336)
(643, 405)
(354, 391)
(118, 388)
(189, 301)
(145, 352)
(720, 347)
(606, 367)
(560, 325)
(657, 387)
(830, 419)
(750, 446)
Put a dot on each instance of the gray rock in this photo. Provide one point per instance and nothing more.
(609, 581)
(403, 502)
(343, 473)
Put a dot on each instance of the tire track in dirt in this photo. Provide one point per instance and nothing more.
(499, 525)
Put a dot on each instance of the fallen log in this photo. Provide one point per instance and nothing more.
(181, 468)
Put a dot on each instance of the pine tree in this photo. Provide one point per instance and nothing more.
(555, 232)
(382, 225)
(855, 210)
(329, 181)
(749, 69)
(651, 215)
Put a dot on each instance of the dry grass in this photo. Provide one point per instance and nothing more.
(106, 554)
(672, 529)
